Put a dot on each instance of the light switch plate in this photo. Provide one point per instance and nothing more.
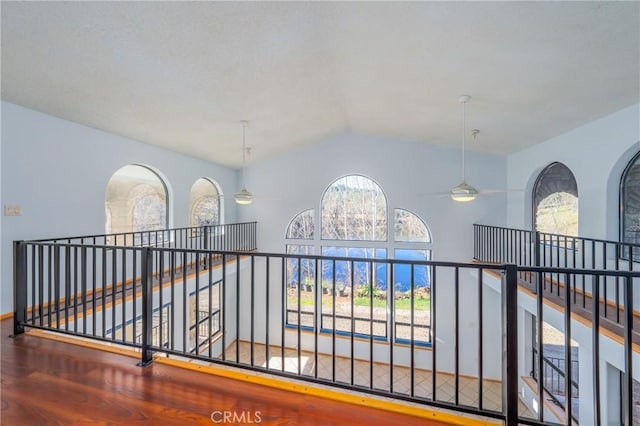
(12, 210)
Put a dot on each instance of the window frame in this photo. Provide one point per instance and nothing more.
(391, 245)
(193, 203)
(622, 205)
(536, 186)
(129, 191)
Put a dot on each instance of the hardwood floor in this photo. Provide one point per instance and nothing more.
(51, 382)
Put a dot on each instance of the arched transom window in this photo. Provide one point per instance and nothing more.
(354, 208)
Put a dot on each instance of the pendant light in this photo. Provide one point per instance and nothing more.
(463, 192)
(244, 196)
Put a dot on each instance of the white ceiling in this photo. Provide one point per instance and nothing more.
(183, 75)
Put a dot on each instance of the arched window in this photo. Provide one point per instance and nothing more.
(204, 201)
(410, 228)
(354, 223)
(136, 200)
(630, 205)
(302, 227)
(354, 208)
(555, 201)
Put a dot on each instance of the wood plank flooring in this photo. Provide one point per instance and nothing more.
(50, 382)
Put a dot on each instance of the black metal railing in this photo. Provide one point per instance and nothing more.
(553, 380)
(526, 248)
(225, 237)
(553, 374)
(523, 247)
(115, 293)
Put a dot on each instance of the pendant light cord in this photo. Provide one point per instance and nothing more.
(464, 131)
(244, 149)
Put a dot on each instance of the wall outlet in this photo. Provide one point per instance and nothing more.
(12, 210)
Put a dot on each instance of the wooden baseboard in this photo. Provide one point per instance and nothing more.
(6, 315)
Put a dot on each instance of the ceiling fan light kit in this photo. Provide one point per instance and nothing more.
(464, 192)
(243, 197)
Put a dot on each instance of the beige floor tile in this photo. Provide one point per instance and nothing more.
(468, 393)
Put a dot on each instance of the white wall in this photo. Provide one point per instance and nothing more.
(411, 174)
(2, 255)
(596, 153)
(57, 171)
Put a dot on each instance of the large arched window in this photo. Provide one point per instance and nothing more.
(555, 201)
(354, 222)
(354, 208)
(630, 206)
(204, 202)
(136, 200)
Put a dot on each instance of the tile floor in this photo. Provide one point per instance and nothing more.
(468, 388)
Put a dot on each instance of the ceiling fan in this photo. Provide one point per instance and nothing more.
(463, 192)
(244, 196)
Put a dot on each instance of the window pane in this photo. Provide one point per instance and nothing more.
(149, 213)
(419, 298)
(359, 283)
(301, 279)
(204, 200)
(630, 222)
(409, 228)
(558, 214)
(354, 208)
(205, 212)
(555, 198)
(302, 226)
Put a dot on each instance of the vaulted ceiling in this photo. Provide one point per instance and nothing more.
(183, 74)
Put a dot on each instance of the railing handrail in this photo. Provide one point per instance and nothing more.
(590, 239)
(504, 228)
(150, 231)
(580, 271)
(569, 237)
(231, 253)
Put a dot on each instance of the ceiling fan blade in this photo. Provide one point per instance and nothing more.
(498, 191)
(255, 197)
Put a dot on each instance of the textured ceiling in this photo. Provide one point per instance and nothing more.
(182, 75)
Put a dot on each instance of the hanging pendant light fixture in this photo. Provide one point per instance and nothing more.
(244, 196)
(463, 192)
